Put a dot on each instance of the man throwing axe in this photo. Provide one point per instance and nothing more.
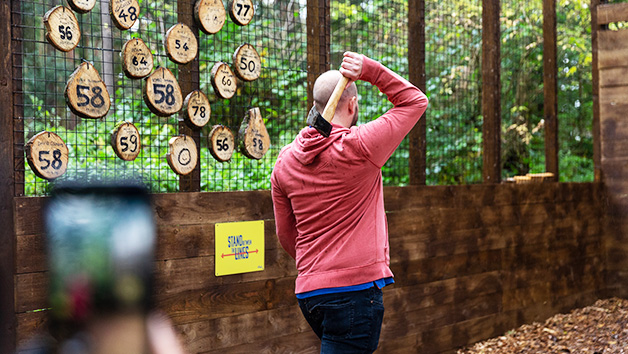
(329, 206)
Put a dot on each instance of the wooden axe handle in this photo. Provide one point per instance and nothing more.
(330, 108)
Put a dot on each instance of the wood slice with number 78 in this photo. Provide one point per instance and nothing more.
(162, 93)
(253, 136)
(82, 6)
(181, 44)
(223, 80)
(86, 93)
(247, 63)
(62, 28)
(47, 155)
(210, 15)
(221, 143)
(137, 60)
(182, 155)
(125, 140)
(196, 109)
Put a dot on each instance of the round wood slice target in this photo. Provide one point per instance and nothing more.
(182, 155)
(197, 110)
(253, 136)
(62, 28)
(223, 80)
(137, 59)
(221, 143)
(82, 6)
(125, 140)
(247, 63)
(241, 11)
(210, 15)
(162, 93)
(86, 93)
(181, 44)
(124, 13)
(47, 155)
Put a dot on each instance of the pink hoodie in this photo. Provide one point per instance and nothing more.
(328, 194)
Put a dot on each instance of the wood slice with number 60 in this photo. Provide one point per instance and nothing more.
(223, 80)
(124, 13)
(86, 93)
(196, 109)
(247, 63)
(221, 143)
(182, 155)
(253, 136)
(82, 6)
(125, 140)
(137, 60)
(241, 11)
(210, 15)
(47, 155)
(62, 28)
(162, 93)
(181, 44)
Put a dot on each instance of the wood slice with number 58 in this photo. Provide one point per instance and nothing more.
(124, 13)
(47, 155)
(162, 93)
(137, 59)
(125, 140)
(86, 93)
(210, 15)
(253, 136)
(241, 11)
(181, 44)
(62, 28)
(247, 63)
(196, 109)
(82, 6)
(221, 143)
(182, 155)
(223, 80)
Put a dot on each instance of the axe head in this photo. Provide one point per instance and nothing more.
(316, 121)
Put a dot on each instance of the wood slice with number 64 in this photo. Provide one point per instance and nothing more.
(253, 136)
(247, 62)
(182, 155)
(196, 109)
(162, 93)
(210, 15)
(241, 11)
(181, 44)
(82, 6)
(47, 155)
(86, 93)
(124, 13)
(221, 143)
(223, 80)
(62, 28)
(125, 140)
(137, 59)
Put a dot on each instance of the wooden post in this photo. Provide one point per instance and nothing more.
(491, 95)
(597, 144)
(416, 62)
(318, 43)
(550, 87)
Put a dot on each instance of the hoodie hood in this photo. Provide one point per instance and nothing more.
(310, 143)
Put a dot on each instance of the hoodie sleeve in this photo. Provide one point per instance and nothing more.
(285, 221)
(380, 138)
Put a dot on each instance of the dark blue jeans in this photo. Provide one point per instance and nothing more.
(346, 322)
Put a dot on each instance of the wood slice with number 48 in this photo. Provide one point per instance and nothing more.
(221, 143)
(182, 155)
(124, 13)
(82, 6)
(223, 80)
(196, 109)
(210, 15)
(86, 93)
(125, 140)
(137, 59)
(162, 93)
(241, 11)
(62, 28)
(253, 136)
(181, 44)
(247, 62)
(47, 155)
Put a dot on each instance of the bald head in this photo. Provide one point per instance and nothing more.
(324, 86)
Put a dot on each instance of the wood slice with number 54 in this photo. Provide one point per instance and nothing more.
(221, 143)
(210, 15)
(253, 136)
(182, 155)
(125, 140)
(62, 28)
(47, 155)
(241, 11)
(137, 59)
(181, 44)
(247, 63)
(196, 109)
(124, 13)
(223, 80)
(162, 93)
(82, 6)
(86, 93)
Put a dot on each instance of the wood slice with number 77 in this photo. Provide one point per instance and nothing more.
(210, 15)
(62, 28)
(47, 155)
(253, 136)
(181, 44)
(137, 60)
(241, 11)
(86, 93)
(247, 63)
(182, 155)
(125, 140)
(221, 143)
(124, 13)
(162, 93)
(196, 109)
(223, 80)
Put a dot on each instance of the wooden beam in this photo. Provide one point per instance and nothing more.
(416, 62)
(550, 87)
(491, 95)
(609, 13)
(597, 137)
(318, 43)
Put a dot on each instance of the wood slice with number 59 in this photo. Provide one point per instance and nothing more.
(181, 44)
(137, 59)
(247, 63)
(47, 155)
(223, 80)
(182, 155)
(125, 140)
(196, 109)
(221, 143)
(62, 28)
(253, 136)
(241, 11)
(210, 15)
(162, 93)
(86, 93)
(82, 6)
(124, 13)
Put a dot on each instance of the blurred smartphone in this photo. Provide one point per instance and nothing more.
(100, 242)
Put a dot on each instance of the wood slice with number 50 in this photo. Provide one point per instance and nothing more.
(221, 143)
(162, 93)
(210, 15)
(223, 80)
(253, 136)
(124, 13)
(182, 155)
(247, 63)
(62, 28)
(82, 6)
(241, 11)
(137, 59)
(125, 140)
(196, 109)
(47, 155)
(181, 44)
(86, 93)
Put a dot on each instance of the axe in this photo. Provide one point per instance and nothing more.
(322, 122)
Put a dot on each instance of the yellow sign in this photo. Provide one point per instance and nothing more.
(239, 247)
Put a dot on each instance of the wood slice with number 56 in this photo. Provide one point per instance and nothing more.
(247, 63)
(223, 80)
(221, 143)
(62, 28)
(82, 6)
(86, 93)
(137, 59)
(182, 155)
(124, 13)
(253, 136)
(196, 109)
(210, 15)
(241, 11)
(162, 93)
(47, 155)
(125, 140)
(181, 44)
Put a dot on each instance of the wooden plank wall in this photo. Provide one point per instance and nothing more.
(470, 262)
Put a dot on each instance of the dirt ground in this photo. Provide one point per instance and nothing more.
(601, 328)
